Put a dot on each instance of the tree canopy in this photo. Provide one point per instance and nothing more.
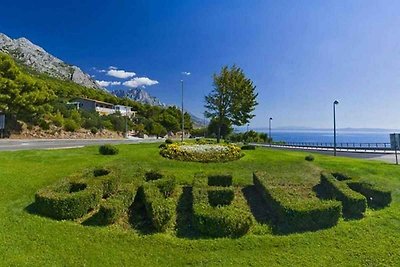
(232, 99)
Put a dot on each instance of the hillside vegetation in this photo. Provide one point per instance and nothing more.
(40, 100)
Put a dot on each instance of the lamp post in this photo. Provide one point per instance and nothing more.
(183, 115)
(269, 131)
(334, 126)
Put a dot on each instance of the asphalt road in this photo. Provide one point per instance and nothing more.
(27, 144)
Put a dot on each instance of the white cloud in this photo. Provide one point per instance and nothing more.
(186, 73)
(112, 68)
(122, 74)
(140, 82)
(107, 83)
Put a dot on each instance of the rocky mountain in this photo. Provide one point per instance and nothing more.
(139, 95)
(37, 58)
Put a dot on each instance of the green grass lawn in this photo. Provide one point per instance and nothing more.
(29, 239)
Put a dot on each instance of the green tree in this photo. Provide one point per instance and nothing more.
(215, 128)
(233, 98)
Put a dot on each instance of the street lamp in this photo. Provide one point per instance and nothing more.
(334, 126)
(183, 115)
(269, 131)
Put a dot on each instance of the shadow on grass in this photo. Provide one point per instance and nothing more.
(31, 209)
(257, 205)
(138, 217)
(184, 215)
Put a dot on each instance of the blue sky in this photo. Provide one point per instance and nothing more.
(301, 55)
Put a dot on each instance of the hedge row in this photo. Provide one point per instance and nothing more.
(75, 196)
(292, 213)
(159, 208)
(108, 179)
(114, 206)
(220, 196)
(218, 221)
(68, 199)
(376, 197)
(354, 204)
(214, 214)
(220, 180)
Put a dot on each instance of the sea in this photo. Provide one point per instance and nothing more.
(325, 136)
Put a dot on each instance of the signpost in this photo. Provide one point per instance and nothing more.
(395, 144)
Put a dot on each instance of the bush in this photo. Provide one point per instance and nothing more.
(108, 179)
(153, 175)
(219, 180)
(168, 141)
(214, 213)
(376, 197)
(354, 204)
(202, 153)
(94, 130)
(220, 196)
(294, 213)
(113, 208)
(309, 158)
(219, 221)
(162, 146)
(248, 147)
(70, 125)
(166, 185)
(160, 210)
(340, 176)
(67, 199)
(108, 150)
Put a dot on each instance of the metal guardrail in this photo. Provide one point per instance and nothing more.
(348, 146)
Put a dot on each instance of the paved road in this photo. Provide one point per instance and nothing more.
(387, 157)
(13, 144)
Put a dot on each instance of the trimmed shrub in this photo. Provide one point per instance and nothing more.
(108, 179)
(340, 176)
(67, 199)
(108, 150)
(376, 197)
(168, 141)
(292, 213)
(354, 204)
(215, 214)
(220, 196)
(309, 158)
(248, 147)
(153, 175)
(166, 185)
(220, 180)
(113, 208)
(218, 221)
(160, 210)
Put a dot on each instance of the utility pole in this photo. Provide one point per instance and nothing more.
(183, 115)
(334, 126)
(269, 132)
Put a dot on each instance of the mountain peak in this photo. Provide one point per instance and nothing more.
(37, 58)
(139, 95)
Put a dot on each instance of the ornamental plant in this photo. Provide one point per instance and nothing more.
(202, 152)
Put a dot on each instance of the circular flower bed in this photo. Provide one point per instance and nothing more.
(201, 152)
